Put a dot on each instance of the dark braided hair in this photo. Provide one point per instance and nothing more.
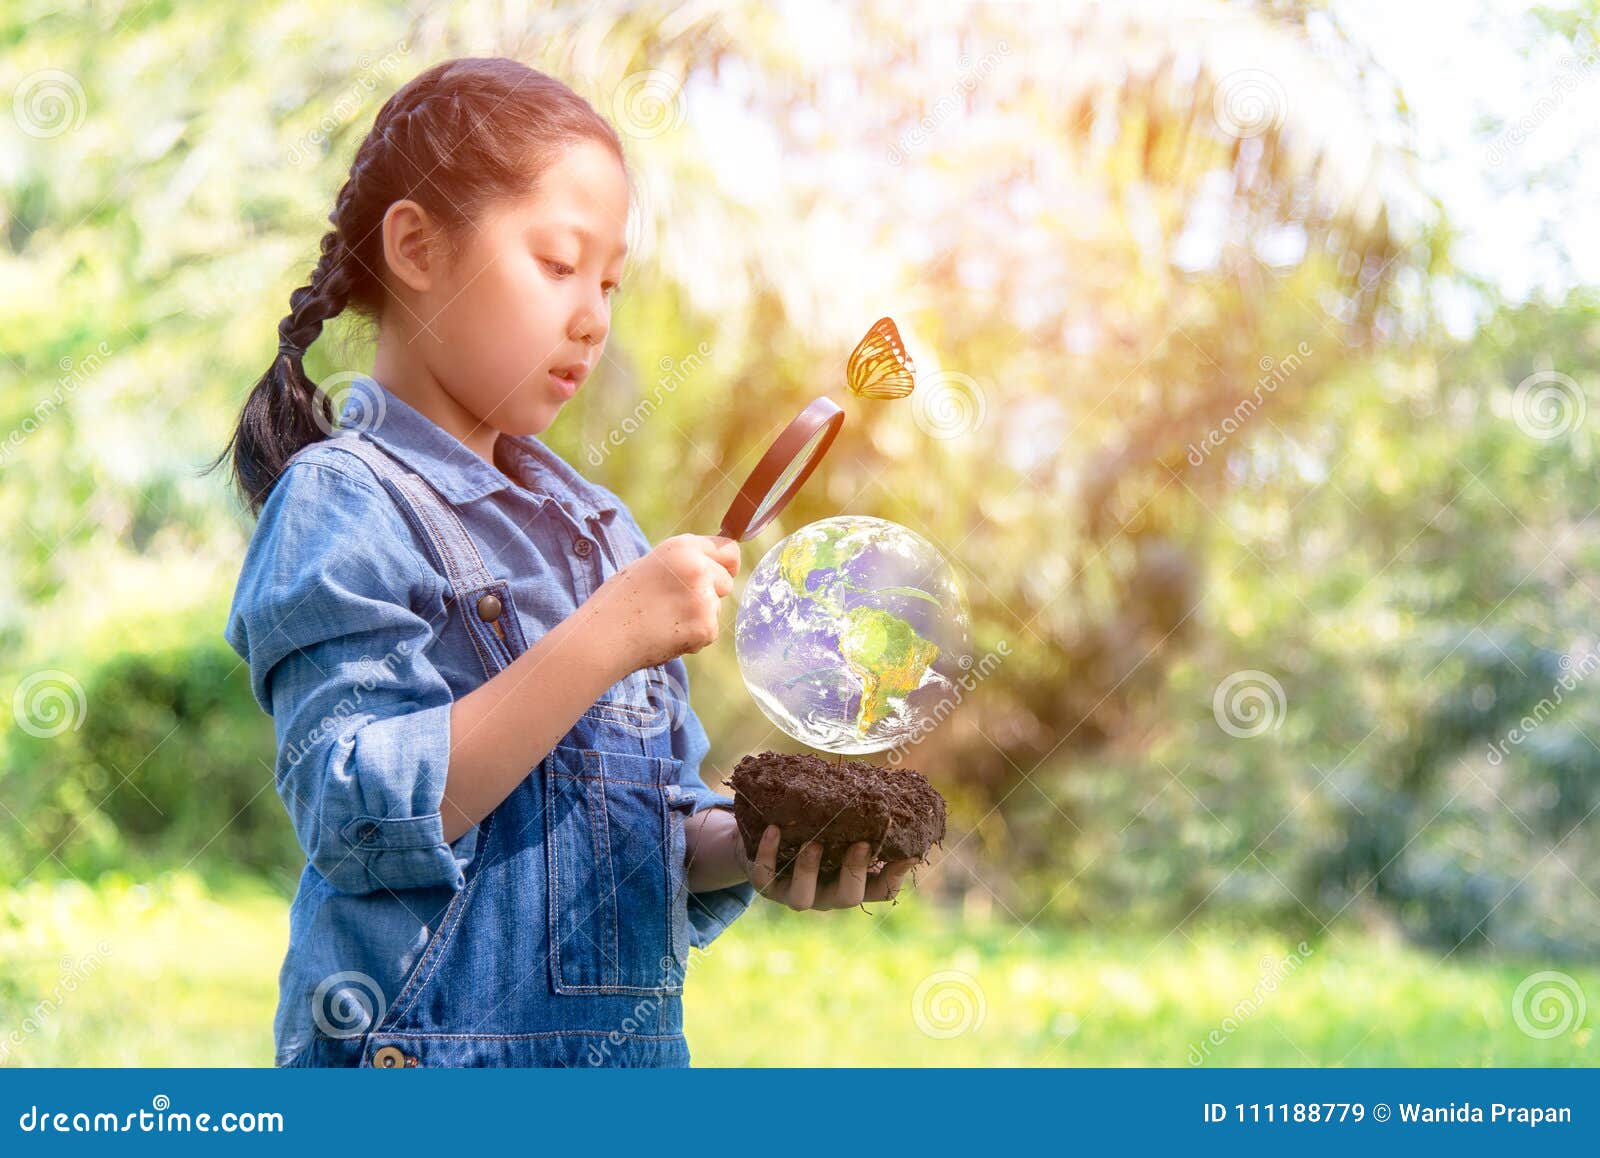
(458, 137)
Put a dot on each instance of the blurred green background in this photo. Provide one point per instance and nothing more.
(1255, 355)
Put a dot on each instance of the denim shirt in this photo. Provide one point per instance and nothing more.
(358, 643)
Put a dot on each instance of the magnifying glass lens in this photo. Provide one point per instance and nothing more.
(811, 450)
(783, 469)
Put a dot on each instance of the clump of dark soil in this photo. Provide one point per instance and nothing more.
(894, 810)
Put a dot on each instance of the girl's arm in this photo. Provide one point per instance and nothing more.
(712, 860)
(652, 610)
(511, 722)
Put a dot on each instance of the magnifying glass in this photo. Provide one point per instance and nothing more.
(783, 470)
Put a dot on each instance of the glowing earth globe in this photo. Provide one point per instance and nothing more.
(851, 633)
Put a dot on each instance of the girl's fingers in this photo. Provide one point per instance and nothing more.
(803, 888)
(886, 883)
(765, 869)
(726, 552)
(800, 892)
(852, 884)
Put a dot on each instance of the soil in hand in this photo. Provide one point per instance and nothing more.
(895, 810)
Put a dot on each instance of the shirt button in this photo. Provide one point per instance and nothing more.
(389, 1058)
(489, 608)
(583, 547)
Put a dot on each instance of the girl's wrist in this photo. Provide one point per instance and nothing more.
(712, 851)
(603, 629)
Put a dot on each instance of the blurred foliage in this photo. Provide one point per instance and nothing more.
(1411, 567)
(175, 756)
(1094, 274)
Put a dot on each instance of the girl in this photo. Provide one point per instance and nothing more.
(470, 652)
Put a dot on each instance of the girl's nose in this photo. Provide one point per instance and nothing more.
(593, 323)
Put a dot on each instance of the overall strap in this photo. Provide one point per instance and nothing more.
(481, 597)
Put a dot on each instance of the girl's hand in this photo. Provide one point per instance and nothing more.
(669, 602)
(800, 890)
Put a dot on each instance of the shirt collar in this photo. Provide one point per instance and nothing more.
(456, 471)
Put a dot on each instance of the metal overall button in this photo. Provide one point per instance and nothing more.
(392, 1057)
(489, 608)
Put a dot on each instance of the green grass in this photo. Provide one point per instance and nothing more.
(171, 974)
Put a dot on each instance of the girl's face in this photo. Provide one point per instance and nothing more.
(511, 326)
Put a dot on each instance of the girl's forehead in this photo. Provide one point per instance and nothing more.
(583, 191)
(583, 176)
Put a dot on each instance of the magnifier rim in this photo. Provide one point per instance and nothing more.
(821, 414)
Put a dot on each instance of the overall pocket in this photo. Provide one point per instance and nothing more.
(616, 872)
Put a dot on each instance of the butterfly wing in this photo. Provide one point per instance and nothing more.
(879, 367)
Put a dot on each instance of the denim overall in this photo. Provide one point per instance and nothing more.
(569, 942)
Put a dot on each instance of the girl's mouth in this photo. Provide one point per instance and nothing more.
(567, 387)
(569, 377)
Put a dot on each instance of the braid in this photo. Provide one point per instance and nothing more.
(286, 410)
(321, 298)
(416, 138)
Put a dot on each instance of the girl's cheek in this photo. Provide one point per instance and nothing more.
(533, 298)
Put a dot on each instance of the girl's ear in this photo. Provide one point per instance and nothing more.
(411, 245)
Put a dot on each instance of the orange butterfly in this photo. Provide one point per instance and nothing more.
(880, 367)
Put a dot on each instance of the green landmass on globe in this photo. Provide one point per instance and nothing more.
(888, 655)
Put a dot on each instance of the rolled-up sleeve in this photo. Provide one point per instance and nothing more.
(709, 912)
(335, 612)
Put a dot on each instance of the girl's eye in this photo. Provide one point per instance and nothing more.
(612, 289)
(561, 268)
